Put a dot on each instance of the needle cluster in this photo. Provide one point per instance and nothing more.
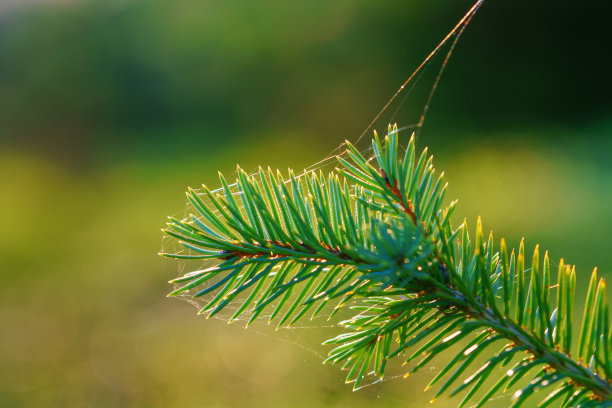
(374, 240)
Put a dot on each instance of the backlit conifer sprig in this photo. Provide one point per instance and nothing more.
(375, 240)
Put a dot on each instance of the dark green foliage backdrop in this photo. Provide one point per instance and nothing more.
(108, 110)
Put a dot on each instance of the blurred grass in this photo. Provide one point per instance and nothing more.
(109, 110)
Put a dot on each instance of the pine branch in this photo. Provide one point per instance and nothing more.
(375, 239)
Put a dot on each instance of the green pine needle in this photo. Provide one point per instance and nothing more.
(375, 240)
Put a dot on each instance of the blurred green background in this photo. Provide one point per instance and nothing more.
(110, 109)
